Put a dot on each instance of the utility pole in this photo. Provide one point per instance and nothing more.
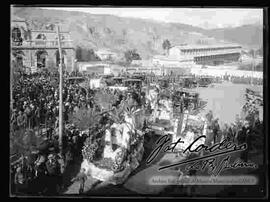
(60, 93)
(253, 66)
(11, 83)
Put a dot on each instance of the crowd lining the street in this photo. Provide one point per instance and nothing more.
(36, 104)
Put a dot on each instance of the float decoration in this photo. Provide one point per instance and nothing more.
(113, 152)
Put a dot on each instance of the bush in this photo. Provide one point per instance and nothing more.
(84, 118)
(132, 55)
(85, 55)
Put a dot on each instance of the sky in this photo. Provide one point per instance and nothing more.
(207, 18)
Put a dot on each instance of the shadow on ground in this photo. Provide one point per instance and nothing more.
(70, 172)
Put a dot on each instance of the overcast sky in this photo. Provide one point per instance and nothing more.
(202, 17)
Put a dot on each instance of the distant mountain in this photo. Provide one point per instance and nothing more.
(120, 34)
(247, 35)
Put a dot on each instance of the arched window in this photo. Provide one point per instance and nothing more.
(41, 36)
(41, 58)
(17, 36)
(18, 58)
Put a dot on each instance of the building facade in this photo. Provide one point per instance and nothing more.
(39, 48)
(206, 54)
(97, 67)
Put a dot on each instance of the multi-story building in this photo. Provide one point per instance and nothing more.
(39, 48)
(199, 54)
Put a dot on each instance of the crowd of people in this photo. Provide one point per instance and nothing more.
(35, 105)
(41, 170)
(36, 100)
(246, 80)
(242, 130)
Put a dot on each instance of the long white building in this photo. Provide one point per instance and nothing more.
(186, 55)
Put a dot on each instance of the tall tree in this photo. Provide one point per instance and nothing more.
(124, 33)
(166, 45)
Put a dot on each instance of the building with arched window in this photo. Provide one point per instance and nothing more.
(39, 48)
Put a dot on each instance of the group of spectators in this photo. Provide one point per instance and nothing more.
(241, 131)
(238, 79)
(36, 104)
(36, 100)
(41, 170)
(246, 80)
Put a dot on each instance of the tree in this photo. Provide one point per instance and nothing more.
(124, 33)
(132, 55)
(84, 55)
(79, 53)
(84, 118)
(90, 55)
(166, 45)
(105, 100)
(93, 56)
(128, 56)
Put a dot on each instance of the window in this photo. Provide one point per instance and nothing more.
(41, 36)
(41, 58)
(17, 36)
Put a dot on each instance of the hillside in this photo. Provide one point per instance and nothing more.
(120, 34)
(247, 35)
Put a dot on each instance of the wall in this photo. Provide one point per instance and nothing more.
(175, 52)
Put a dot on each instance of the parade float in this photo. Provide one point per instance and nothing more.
(161, 119)
(189, 127)
(164, 119)
(114, 147)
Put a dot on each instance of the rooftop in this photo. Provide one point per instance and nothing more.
(49, 31)
(17, 19)
(104, 51)
(186, 47)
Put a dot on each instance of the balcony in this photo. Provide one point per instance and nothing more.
(42, 44)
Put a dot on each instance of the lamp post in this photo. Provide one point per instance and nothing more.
(60, 93)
